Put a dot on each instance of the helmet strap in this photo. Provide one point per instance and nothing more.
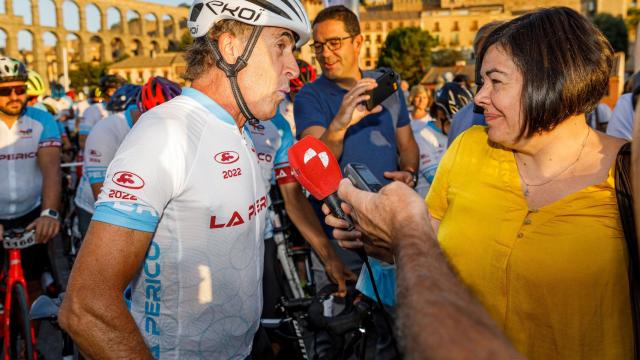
(231, 70)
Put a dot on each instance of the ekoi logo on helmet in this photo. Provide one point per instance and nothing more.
(128, 180)
(226, 157)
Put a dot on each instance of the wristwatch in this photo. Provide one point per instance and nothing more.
(50, 213)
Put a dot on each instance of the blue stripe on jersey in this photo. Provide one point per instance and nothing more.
(95, 174)
(127, 115)
(85, 129)
(50, 130)
(286, 141)
(209, 104)
(131, 216)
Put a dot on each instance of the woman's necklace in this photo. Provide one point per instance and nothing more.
(527, 185)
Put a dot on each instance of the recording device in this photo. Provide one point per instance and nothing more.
(387, 85)
(317, 170)
(362, 178)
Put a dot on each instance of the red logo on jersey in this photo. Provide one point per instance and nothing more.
(236, 219)
(226, 157)
(94, 152)
(128, 180)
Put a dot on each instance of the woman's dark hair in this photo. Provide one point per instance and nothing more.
(564, 60)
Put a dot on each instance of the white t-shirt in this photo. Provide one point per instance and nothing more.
(432, 144)
(20, 176)
(91, 116)
(621, 122)
(272, 140)
(101, 146)
(188, 175)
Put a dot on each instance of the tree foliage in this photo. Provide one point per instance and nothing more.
(408, 52)
(87, 74)
(446, 57)
(614, 29)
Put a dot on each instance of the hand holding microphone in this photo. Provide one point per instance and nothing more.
(317, 170)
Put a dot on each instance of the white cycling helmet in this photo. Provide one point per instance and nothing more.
(287, 14)
(12, 70)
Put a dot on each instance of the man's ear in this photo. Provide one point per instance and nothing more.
(357, 42)
(228, 46)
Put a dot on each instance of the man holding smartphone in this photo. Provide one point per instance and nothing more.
(331, 109)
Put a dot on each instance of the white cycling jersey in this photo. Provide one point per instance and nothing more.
(91, 116)
(20, 176)
(101, 146)
(272, 140)
(432, 144)
(186, 173)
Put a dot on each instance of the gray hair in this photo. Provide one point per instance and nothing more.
(199, 55)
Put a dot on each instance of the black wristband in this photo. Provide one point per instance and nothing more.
(414, 177)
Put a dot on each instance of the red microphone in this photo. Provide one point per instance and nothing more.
(317, 170)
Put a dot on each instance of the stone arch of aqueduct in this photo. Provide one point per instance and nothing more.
(126, 27)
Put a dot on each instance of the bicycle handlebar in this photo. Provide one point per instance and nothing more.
(18, 239)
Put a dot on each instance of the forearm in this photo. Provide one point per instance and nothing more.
(82, 139)
(409, 157)
(105, 334)
(51, 184)
(333, 137)
(306, 221)
(437, 316)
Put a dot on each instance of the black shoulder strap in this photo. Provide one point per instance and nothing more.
(624, 197)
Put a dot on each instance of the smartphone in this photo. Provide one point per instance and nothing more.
(362, 177)
(387, 85)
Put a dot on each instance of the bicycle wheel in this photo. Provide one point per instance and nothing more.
(20, 342)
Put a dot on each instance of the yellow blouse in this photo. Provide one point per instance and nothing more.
(554, 278)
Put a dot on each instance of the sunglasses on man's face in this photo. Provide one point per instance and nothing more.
(7, 90)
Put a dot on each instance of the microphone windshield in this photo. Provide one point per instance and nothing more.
(315, 167)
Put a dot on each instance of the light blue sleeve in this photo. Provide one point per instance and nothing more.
(96, 174)
(131, 216)
(621, 123)
(50, 135)
(282, 154)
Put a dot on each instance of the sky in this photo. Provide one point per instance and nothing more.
(71, 21)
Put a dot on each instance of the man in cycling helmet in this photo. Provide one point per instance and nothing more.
(125, 96)
(29, 167)
(108, 86)
(451, 98)
(103, 141)
(156, 91)
(307, 74)
(183, 199)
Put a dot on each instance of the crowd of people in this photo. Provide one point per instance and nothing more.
(497, 233)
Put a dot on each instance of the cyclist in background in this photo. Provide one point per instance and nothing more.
(93, 96)
(108, 85)
(105, 138)
(272, 140)
(307, 74)
(29, 168)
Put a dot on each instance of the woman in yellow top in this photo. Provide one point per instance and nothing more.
(525, 209)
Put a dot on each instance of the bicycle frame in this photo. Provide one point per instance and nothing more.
(14, 274)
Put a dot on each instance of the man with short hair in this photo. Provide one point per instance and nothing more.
(182, 210)
(29, 168)
(331, 109)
